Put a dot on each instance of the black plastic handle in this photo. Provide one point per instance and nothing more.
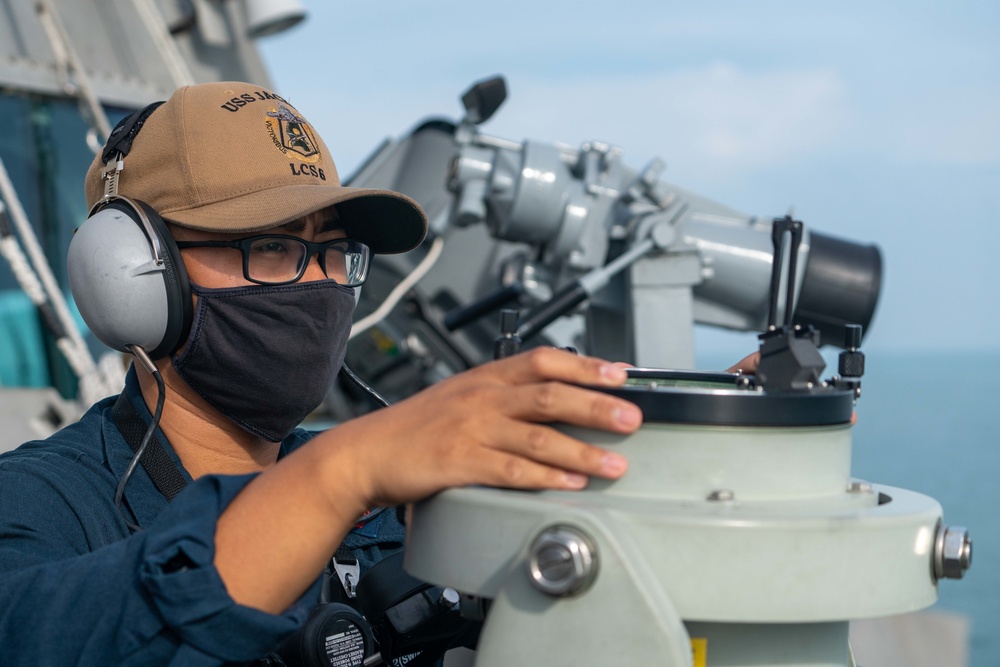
(561, 303)
(459, 317)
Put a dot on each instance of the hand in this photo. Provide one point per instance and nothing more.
(747, 365)
(490, 425)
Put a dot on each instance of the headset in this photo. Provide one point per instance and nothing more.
(125, 271)
(129, 281)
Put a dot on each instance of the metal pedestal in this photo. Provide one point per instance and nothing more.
(726, 546)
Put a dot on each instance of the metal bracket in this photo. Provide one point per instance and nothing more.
(110, 175)
(348, 571)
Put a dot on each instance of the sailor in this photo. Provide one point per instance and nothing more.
(216, 560)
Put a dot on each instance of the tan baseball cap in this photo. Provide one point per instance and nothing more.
(236, 157)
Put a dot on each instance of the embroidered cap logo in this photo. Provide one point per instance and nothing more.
(295, 135)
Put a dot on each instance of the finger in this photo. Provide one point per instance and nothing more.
(558, 402)
(747, 365)
(515, 472)
(544, 363)
(545, 445)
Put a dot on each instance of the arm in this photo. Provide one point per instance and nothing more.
(485, 426)
(68, 600)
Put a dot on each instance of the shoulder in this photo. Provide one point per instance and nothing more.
(55, 493)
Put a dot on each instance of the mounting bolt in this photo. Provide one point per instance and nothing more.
(562, 561)
(858, 486)
(952, 552)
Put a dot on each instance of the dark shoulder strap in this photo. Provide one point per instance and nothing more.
(120, 141)
(158, 465)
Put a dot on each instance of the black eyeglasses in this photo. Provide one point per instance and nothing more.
(278, 259)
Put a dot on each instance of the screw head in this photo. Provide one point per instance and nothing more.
(857, 486)
(562, 561)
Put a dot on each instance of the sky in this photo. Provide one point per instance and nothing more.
(878, 122)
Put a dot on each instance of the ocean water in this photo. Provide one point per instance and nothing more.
(929, 423)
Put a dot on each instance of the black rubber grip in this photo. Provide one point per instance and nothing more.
(506, 346)
(851, 364)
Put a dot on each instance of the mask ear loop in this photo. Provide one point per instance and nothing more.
(147, 363)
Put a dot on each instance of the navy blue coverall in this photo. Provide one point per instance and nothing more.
(77, 589)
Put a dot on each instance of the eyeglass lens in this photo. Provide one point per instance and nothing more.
(274, 260)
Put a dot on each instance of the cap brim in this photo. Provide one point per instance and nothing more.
(389, 222)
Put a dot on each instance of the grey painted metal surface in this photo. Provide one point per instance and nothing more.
(755, 540)
(121, 47)
(544, 215)
(32, 414)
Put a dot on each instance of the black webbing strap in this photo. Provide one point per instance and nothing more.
(160, 468)
(345, 555)
(121, 137)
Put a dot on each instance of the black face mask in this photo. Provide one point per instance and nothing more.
(264, 355)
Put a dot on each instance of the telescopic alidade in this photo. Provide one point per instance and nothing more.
(738, 536)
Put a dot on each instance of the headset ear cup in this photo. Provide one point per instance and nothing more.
(124, 295)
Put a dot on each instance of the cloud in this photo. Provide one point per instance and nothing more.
(717, 116)
(713, 118)
(742, 89)
(957, 127)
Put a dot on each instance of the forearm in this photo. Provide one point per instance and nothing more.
(487, 426)
(277, 535)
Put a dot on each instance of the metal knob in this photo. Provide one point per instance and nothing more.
(508, 343)
(952, 552)
(562, 561)
(449, 599)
